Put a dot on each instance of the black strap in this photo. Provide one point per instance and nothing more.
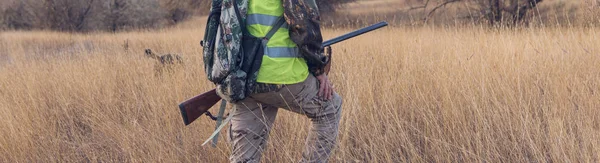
(239, 18)
(280, 21)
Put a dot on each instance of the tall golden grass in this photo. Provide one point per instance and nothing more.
(410, 94)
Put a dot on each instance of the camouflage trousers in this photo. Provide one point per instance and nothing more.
(254, 117)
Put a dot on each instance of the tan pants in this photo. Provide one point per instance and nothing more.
(254, 116)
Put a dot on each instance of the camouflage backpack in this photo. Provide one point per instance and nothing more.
(232, 56)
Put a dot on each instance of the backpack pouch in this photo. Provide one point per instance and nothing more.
(253, 52)
(233, 87)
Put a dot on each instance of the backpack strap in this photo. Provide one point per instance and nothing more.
(280, 21)
(239, 18)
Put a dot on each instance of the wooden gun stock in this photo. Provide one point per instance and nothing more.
(195, 107)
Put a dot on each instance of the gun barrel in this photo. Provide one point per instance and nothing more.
(354, 34)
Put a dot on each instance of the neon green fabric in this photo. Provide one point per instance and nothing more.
(282, 64)
(281, 38)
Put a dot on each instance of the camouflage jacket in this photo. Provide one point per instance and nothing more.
(303, 19)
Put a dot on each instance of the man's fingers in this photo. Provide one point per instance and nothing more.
(327, 95)
(331, 92)
(322, 88)
(325, 88)
(327, 92)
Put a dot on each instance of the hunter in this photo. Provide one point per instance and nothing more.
(292, 76)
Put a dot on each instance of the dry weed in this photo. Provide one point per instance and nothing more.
(411, 94)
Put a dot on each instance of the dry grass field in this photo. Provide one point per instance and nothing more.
(426, 94)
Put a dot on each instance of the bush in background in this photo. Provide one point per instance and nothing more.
(107, 15)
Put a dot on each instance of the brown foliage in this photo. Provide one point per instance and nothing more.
(107, 15)
(92, 15)
(504, 12)
(329, 6)
(500, 13)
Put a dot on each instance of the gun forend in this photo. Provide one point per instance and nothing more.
(354, 34)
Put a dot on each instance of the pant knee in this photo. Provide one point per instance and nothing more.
(337, 102)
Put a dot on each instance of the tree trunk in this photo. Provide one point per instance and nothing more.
(523, 9)
(495, 14)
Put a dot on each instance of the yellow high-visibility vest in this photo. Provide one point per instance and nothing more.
(281, 64)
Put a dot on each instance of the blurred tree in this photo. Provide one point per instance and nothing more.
(180, 10)
(329, 6)
(506, 12)
(495, 12)
(108, 15)
(132, 14)
(117, 14)
(67, 15)
(17, 16)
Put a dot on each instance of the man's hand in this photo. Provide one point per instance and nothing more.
(325, 88)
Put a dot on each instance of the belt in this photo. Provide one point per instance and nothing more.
(265, 87)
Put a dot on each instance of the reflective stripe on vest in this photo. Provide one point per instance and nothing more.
(266, 20)
(281, 63)
(282, 52)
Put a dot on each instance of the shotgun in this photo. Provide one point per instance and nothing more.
(195, 107)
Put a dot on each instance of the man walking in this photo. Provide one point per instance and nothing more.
(291, 76)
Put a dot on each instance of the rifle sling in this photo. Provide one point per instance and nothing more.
(280, 21)
(219, 121)
(256, 60)
(219, 128)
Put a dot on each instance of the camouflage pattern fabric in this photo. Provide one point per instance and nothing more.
(227, 58)
(209, 41)
(229, 45)
(303, 19)
(264, 87)
(233, 87)
(223, 65)
(254, 116)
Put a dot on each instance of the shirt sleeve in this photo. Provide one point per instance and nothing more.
(303, 19)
